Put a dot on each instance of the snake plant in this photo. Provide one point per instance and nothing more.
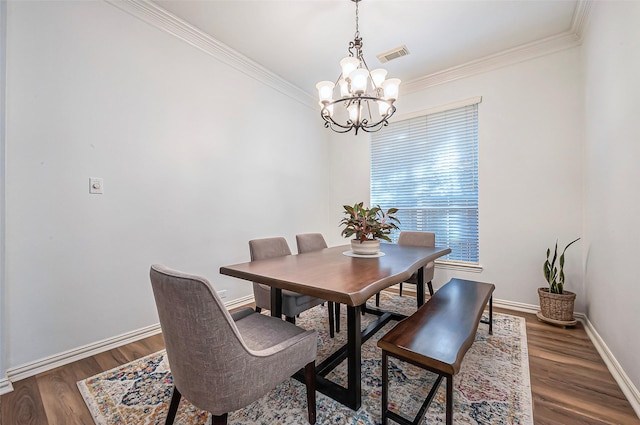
(553, 274)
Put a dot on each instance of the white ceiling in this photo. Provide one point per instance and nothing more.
(302, 41)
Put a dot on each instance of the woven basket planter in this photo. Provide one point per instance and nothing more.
(556, 306)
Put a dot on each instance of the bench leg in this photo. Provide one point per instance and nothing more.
(385, 387)
(449, 420)
(490, 320)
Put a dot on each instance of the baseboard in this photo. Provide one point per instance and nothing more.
(512, 305)
(5, 386)
(70, 356)
(239, 302)
(627, 387)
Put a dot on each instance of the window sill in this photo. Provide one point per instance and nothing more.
(458, 265)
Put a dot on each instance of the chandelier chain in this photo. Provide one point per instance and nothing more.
(357, 19)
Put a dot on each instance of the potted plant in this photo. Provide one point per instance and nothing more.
(556, 304)
(368, 226)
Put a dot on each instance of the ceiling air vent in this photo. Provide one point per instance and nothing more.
(393, 54)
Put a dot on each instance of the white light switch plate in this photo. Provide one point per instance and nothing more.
(96, 185)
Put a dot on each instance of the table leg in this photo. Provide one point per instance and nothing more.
(354, 357)
(351, 394)
(420, 287)
(276, 302)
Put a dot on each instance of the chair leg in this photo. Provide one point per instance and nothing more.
(258, 309)
(378, 299)
(173, 406)
(337, 312)
(219, 420)
(430, 285)
(310, 381)
(400, 288)
(291, 319)
(331, 318)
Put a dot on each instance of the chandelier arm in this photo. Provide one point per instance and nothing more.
(364, 124)
(338, 128)
(377, 127)
(349, 125)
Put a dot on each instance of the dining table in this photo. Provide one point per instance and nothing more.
(336, 274)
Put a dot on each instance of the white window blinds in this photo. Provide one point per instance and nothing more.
(427, 167)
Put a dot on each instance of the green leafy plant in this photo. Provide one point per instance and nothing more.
(553, 274)
(368, 223)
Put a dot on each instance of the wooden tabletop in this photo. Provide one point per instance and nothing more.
(333, 276)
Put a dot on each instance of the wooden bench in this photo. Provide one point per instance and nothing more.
(436, 337)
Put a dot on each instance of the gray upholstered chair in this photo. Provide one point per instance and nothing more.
(416, 238)
(223, 363)
(293, 303)
(308, 242)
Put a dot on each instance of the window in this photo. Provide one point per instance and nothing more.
(427, 166)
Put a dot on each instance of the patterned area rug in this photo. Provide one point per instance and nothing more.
(493, 386)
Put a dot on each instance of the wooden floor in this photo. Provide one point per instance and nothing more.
(569, 381)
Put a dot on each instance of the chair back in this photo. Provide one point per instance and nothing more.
(415, 238)
(309, 242)
(204, 348)
(263, 249)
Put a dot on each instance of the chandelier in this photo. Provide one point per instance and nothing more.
(366, 97)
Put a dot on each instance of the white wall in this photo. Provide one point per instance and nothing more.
(3, 310)
(195, 156)
(349, 178)
(612, 207)
(194, 168)
(530, 169)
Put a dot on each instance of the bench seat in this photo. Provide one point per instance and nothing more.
(436, 337)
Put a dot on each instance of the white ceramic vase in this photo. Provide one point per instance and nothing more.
(368, 247)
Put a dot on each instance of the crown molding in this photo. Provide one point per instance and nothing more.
(581, 18)
(499, 60)
(160, 18)
(546, 46)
